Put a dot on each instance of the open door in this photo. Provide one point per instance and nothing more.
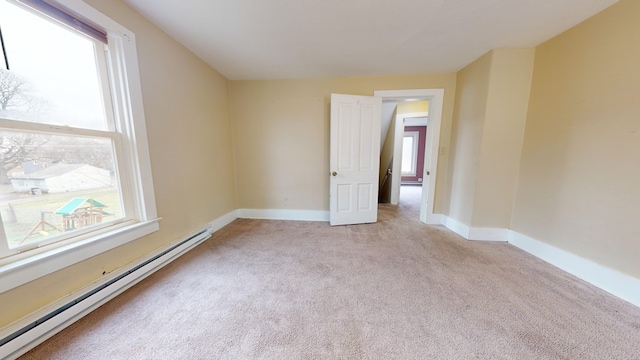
(354, 159)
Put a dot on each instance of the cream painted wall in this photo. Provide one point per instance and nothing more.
(472, 89)
(579, 184)
(502, 136)
(489, 119)
(412, 107)
(281, 136)
(186, 105)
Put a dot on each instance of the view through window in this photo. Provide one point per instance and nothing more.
(58, 141)
(409, 153)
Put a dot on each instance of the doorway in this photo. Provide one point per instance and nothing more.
(414, 141)
(412, 164)
(431, 148)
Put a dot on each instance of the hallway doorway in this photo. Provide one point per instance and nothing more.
(410, 200)
(435, 97)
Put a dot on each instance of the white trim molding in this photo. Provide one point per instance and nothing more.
(614, 282)
(489, 234)
(476, 233)
(222, 221)
(20, 272)
(456, 226)
(283, 214)
(435, 219)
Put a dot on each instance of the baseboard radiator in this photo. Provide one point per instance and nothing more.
(27, 333)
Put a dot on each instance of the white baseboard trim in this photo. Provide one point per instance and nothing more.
(280, 214)
(434, 219)
(476, 233)
(489, 234)
(24, 334)
(616, 283)
(457, 227)
(222, 221)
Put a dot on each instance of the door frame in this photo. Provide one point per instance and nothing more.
(396, 170)
(432, 144)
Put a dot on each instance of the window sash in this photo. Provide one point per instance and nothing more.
(127, 199)
(414, 153)
(54, 129)
(61, 14)
(59, 240)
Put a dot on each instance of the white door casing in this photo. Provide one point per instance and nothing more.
(396, 172)
(354, 159)
(432, 145)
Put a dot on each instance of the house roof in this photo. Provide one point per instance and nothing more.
(76, 203)
(51, 171)
(284, 39)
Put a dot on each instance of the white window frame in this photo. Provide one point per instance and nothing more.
(414, 152)
(132, 151)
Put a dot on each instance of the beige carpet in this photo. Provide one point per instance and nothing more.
(397, 289)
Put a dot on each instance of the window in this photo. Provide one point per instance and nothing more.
(409, 153)
(74, 166)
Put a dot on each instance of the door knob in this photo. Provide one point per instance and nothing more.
(335, 173)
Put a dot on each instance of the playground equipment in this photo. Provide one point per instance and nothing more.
(81, 212)
(41, 227)
(76, 214)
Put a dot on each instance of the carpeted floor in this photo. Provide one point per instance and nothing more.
(397, 289)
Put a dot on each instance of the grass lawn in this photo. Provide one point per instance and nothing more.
(28, 211)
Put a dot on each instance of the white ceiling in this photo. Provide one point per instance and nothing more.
(274, 39)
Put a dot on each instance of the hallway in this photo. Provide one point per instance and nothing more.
(410, 197)
(408, 209)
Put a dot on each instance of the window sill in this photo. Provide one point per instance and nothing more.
(22, 271)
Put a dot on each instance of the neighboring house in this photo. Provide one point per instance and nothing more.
(32, 166)
(61, 178)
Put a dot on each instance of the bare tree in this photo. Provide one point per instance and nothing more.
(12, 90)
(94, 152)
(15, 148)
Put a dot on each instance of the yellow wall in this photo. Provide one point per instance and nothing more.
(489, 119)
(412, 107)
(186, 105)
(472, 89)
(502, 136)
(281, 136)
(579, 184)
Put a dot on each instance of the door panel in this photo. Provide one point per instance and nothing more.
(354, 159)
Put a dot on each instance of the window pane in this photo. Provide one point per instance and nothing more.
(53, 77)
(52, 185)
(407, 155)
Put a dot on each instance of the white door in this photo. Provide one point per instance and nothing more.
(354, 159)
(426, 175)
